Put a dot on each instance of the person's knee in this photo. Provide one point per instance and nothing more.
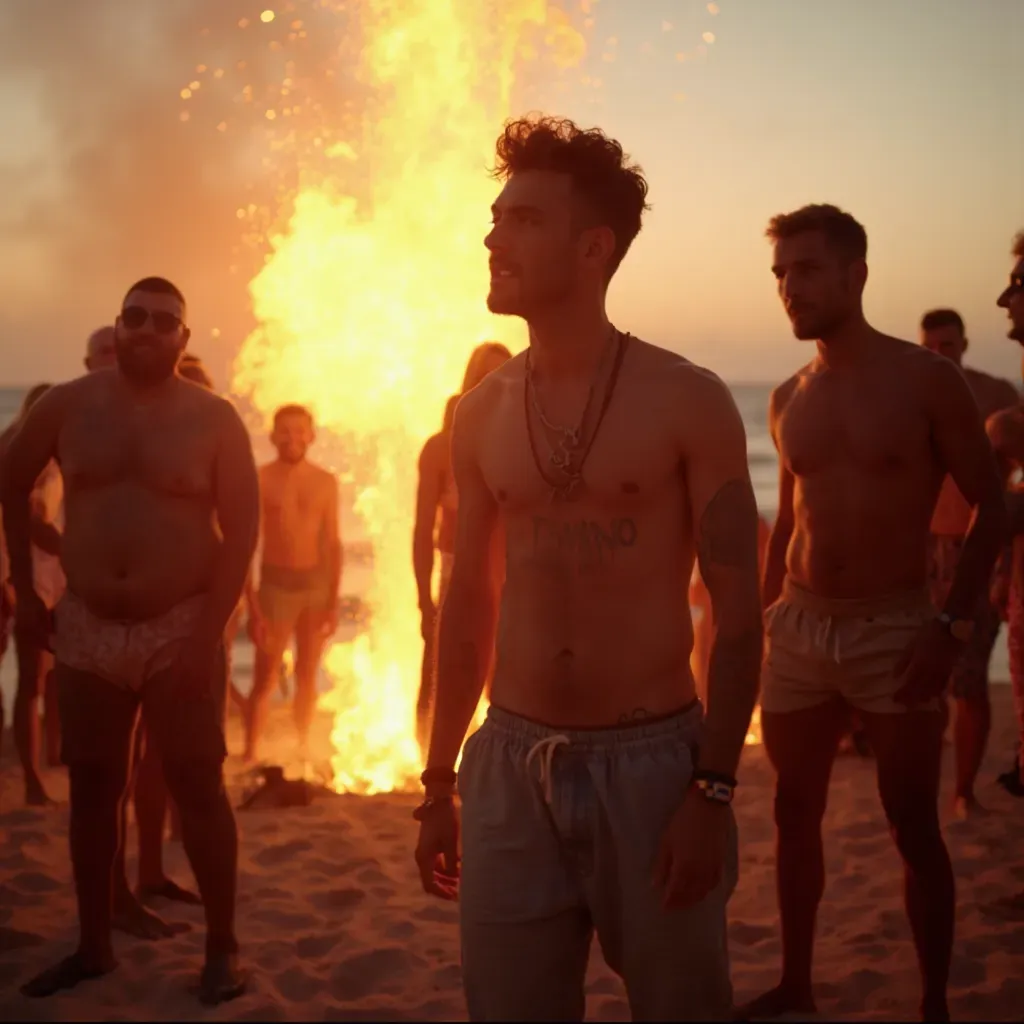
(799, 808)
(915, 828)
(97, 785)
(196, 784)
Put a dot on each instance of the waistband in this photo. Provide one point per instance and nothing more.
(189, 607)
(917, 600)
(287, 578)
(682, 724)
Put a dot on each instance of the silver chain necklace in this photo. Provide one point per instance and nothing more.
(563, 453)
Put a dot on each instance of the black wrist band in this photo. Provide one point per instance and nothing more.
(701, 775)
(439, 776)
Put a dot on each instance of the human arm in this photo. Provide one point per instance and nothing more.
(1005, 430)
(26, 454)
(334, 551)
(724, 513)
(468, 620)
(966, 454)
(237, 504)
(428, 498)
(773, 573)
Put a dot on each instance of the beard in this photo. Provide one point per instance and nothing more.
(515, 297)
(146, 363)
(814, 326)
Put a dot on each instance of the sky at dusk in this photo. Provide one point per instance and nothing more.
(906, 113)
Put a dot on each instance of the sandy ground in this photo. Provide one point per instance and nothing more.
(335, 927)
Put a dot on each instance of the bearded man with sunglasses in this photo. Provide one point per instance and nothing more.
(151, 463)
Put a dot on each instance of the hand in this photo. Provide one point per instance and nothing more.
(32, 619)
(331, 620)
(428, 621)
(256, 627)
(437, 851)
(925, 665)
(691, 856)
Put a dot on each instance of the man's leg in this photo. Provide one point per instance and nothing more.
(98, 720)
(151, 805)
(51, 712)
(801, 746)
(525, 942)
(189, 736)
(309, 647)
(26, 716)
(969, 685)
(265, 672)
(908, 749)
(425, 697)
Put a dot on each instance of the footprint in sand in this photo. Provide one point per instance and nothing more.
(313, 947)
(336, 899)
(12, 898)
(268, 892)
(35, 882)
(400, 930)
(750, 934)
(283, 921)
(11, 939)
(445, 915)
(298, 985)
(25, 836)
(275, 856)
(364, 973)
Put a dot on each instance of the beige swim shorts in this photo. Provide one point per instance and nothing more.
(819, 648)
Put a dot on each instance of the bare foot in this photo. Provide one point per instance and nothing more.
(167, 890)
(967, 808)
(70, 972)
(775, 1003)
(222, 980)
(134, 919)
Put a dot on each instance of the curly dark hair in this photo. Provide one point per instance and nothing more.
(841, 230)
(612, 186)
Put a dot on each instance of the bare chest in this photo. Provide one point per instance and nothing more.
(164, 451)
(829, 423)
(292, 500)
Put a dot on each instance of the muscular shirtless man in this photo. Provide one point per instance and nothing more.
(149, 461)
(1006, 431)
(942, 331)
(594, 797)
(866, 432)
(301, 571)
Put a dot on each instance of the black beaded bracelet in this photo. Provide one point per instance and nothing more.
(439, 776)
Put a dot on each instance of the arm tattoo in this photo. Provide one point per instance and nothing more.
(727, 532)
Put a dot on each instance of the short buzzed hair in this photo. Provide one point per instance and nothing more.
(1018, 245)
(157, 286)
(841, 230)
(291, 410)
(935, 319)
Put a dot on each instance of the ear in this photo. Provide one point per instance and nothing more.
(185, 335)
(598, 245)
(859, 273)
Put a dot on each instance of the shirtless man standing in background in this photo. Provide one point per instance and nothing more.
(866, 433)
(162, 512)
(595, 797)
(942, 331)
(1006, 431)
(101, 350)
(300, 575)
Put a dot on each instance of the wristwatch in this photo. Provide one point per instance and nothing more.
(958, 629)
(719, 789)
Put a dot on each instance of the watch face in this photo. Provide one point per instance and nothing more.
(961, 629)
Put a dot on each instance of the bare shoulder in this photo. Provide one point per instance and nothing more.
(476, 406)
(992, 392)
(782, 393)
(321, 477)
(1006, 427)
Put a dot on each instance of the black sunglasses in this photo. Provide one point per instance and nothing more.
(134, 317)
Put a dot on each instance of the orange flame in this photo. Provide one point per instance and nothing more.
(371, 300)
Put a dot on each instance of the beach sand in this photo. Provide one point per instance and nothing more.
(335, 927)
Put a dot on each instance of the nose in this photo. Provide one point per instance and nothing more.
(1003, 302)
